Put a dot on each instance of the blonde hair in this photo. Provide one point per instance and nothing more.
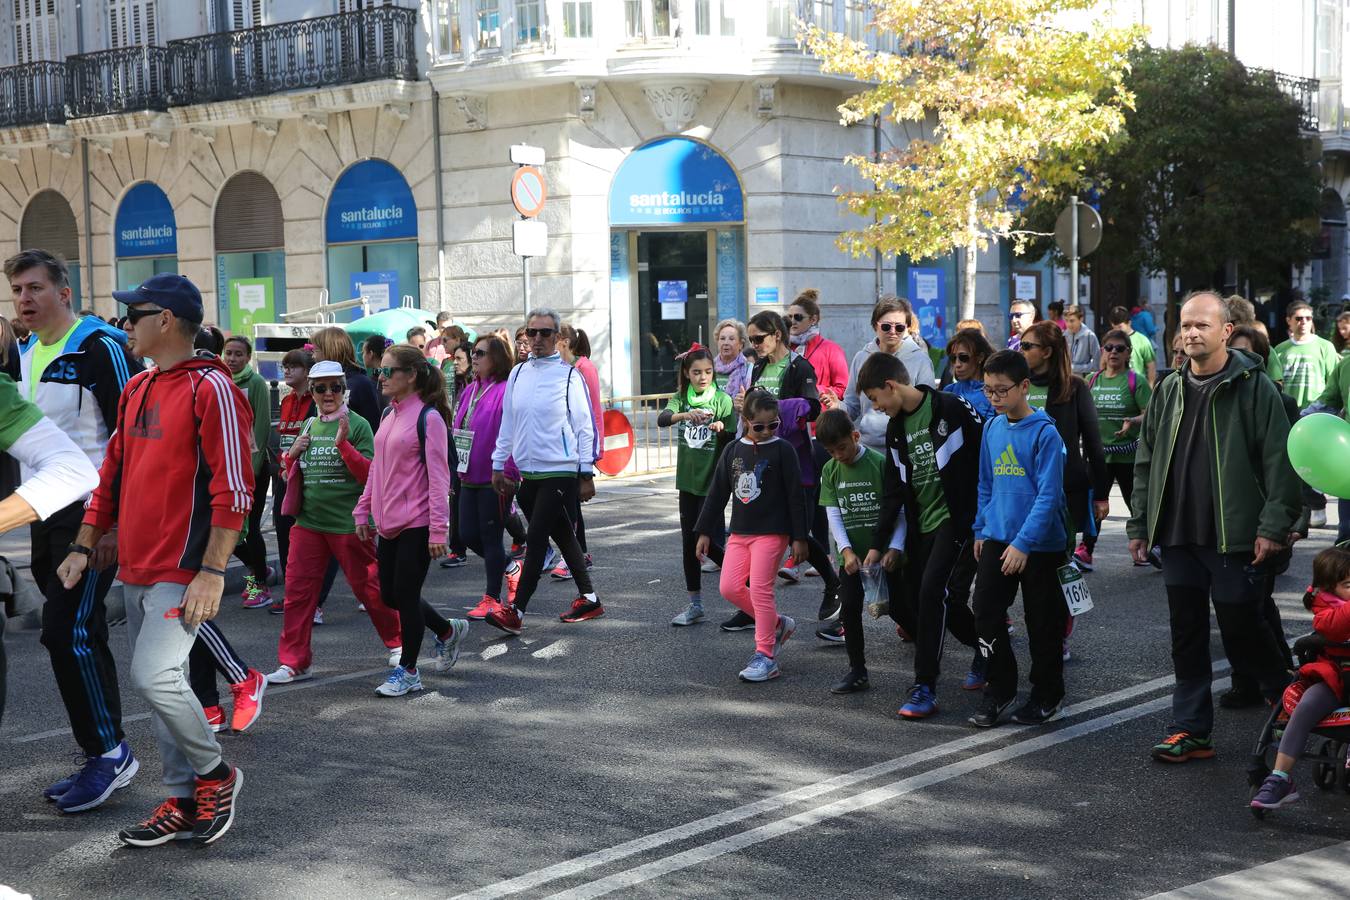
(970, 323)
(335, 345)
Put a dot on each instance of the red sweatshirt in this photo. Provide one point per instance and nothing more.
(1331, 619)
(177, 465)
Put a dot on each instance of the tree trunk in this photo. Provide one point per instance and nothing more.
(972, 261)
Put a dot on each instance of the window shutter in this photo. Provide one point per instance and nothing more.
(49, 223)
(248, 215)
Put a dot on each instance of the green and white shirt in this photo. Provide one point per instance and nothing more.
(1307, 367)
(58, 472)
(855, 490)
(696, 445)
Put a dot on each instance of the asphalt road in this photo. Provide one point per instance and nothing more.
(623, 756)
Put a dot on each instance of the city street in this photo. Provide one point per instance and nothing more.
(622, 755)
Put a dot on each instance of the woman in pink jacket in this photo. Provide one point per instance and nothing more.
(825, 356)
(407, 497)
(575, 348)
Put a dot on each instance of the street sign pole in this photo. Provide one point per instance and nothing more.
(529, 236)
(1073, 257)
(526, 261)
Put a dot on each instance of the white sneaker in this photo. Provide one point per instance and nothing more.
(395, 654)
(790, 574)
(285, 675)
(810, 571)
(1317, 518)
(692, 614)
(710, 566)
(400, 682)
(447, 652)
(318, 615)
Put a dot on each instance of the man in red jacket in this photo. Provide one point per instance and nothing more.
(177, 484)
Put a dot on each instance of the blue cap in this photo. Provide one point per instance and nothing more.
(172, 292)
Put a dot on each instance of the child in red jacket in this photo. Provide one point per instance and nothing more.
(1323, 679)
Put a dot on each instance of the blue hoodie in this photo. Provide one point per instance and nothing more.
(1021, 496)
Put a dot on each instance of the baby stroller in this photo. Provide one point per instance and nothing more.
(1327, 744)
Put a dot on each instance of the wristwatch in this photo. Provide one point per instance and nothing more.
(80, 548)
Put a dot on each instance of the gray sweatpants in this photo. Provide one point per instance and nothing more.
(160, 643)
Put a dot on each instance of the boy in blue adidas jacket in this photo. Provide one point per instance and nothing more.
(1020, 541)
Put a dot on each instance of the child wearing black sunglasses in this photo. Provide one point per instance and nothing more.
(761, 473)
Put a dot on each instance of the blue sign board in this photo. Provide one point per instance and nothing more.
(672, 291)
(766, 295)
(379, 288)
(928, 295)
(675, 181)
(371, 202)
(145, 225)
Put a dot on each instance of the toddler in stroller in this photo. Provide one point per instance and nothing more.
(1315, 704)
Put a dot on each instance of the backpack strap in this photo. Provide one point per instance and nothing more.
(1092, 379)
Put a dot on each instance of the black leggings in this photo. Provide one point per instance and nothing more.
(690, 507)
(515, 526)
(548, 504)
(1121, 473)
(403, 561)
(253, 552)
(850, 614)
(211, 653)
(480, 524)
(457, 541)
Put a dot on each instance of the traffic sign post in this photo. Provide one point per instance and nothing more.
(1078, 232)
(529, 236)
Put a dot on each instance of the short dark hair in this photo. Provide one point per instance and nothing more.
(880, 368)
(376, 344)
(240, 339)
(208, 337)
(299, 357)
(768, 321)
(1118, 315)
(833, 427)
(889, 304)
(1260, 343)
(57, 271)
(1295, 306)
(974, 341)
(1009, 363)
(758, 401)
(1330, 568)
(414, 331)
(498, 356)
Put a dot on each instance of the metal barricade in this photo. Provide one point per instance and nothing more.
(653, 446)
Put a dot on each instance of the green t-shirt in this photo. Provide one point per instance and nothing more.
(855, 488)
(17, 415)
(771, 379)
(44, 355)
(1307, 368)
(696, 453)
(1141, 354)
(331, 491)
(1038, 394)
(1115, 403)
(924, 477)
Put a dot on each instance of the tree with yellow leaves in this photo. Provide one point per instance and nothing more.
(1013, 102)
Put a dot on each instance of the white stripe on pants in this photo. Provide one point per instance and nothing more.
(160, 643)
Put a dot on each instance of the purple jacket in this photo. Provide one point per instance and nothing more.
(485, 423)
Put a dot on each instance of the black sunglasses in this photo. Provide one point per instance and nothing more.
(798, 317)
(960, 357)
(135, 315)
(539, 332)
(1032, 345)
(1112, 348)
(388, 371)
(888, 327)
(322, 389)
(757, 339)
(761, 427)
(479, 354)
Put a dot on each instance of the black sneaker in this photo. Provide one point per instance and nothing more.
(991, 711)
(1240, 698)
(829, 604)
(215, 806)
(1034, 712)
(738, 622)
(852, 683)
(171, 821)
(833, 632)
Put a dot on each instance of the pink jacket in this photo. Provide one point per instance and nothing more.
(827, 358)
(592, 379)
(404, 490)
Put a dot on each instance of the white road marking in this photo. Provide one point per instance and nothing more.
(678, 833)
(1318, 873)
(866, 800)
(552, 651)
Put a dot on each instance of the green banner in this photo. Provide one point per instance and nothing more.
(250, 303)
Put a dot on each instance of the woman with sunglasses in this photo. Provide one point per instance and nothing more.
(825, 356)
(966, 353)
(333, 344)
(407, 499)
(890, 321)
(328, 463)
(1067, 400)
(1120, 397)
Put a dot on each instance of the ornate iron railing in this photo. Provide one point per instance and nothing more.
(342, 49)
(33, 93)
(1302, 91)
(116, 81)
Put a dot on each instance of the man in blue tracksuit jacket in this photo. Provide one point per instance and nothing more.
(1020, 541)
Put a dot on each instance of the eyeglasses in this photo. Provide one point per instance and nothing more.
(539, 332)
(757, 339)
(135, 315)
(479, 354)
(761, 427)
(1000, 393)
(1017, 315)
(322, 389)
(388, 371)
(1032, 345)
(798, 317)
(888, 327)
(1113, 348)
(960, 357)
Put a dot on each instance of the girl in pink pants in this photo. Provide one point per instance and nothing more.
(762, 477)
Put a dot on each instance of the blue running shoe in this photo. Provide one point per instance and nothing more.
(761, 668)
(978, 674)
(98, 779)
(922, 703)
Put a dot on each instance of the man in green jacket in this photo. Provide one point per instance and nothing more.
(1213, 488)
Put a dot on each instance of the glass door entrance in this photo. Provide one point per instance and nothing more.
(673, 305)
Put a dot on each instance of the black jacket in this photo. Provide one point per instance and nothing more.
(798, 381)
(363, 396)
(1076, 422)
(957, 430)
(764, 480)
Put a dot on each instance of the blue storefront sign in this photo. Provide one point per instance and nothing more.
(145, 223)
(672, 291)
(371, 202)
(675, 181)
(380, 290)
(928, 295)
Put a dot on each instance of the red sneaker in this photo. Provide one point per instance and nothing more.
(517, 551)
(485, 606)
(215, 806)
(512, 583)
(583, 609)
(248, 696)
(215, 717)
(507, 618)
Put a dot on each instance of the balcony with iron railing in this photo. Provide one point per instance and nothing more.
(1302, 91)
(33, 94)
(116, 81)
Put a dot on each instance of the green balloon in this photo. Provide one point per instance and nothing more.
(1319, 450)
